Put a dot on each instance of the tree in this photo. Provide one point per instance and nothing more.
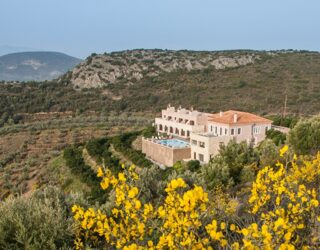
(236, 156)
(305, 136)
(268, 153)
(193, 165)
(276, 136)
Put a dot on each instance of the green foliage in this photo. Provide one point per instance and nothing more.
(178, 166)
(305, 136)
(216, 173)
(260, 79)
(123, 143)
(42, 221)
(75, 161)
(247, 174)
(236, 156)
(149, 132)
(276, 136)
(99, 149)
(268, 153)
(288, 121)
(193, 165)
(152, 182)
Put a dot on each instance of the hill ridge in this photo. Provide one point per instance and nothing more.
(35, 65)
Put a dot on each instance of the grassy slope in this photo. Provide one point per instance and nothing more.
(260, 87)
(59, 174)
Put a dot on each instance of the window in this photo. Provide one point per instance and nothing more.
(191, 123)
(225, 131)
(220, 131)
(216, 130)
(239, 131)
(201, 144)
(201, 157)
(211, 128)
(194, 142)
(195, 155)
(232, 131)
(256, 130)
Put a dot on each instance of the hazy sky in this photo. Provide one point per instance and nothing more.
(80, 27)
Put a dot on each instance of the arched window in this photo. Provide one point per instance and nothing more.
(177, 131)
(171, 130)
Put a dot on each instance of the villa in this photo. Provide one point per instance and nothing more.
(198, 135)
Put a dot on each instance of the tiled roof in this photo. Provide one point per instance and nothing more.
(228, 117)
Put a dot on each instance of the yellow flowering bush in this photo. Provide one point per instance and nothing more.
(283, 207)
(127, 222)
(286, 203)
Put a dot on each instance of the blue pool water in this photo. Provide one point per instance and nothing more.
(174, 143)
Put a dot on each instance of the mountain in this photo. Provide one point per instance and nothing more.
(134, 65)
(35, 66)
(148, 80)
(7, 49)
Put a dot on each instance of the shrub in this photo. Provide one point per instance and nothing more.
(41, 221)
(235, 156)
(123, 144)
(75, 161)
(276, 136)
(193, 165)
(305, 136)
(284, 208)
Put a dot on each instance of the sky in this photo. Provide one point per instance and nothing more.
(82, 27)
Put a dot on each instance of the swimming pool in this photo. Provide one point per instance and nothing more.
(174, 143)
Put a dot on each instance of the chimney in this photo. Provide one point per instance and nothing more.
(221, 113)
(235, 117)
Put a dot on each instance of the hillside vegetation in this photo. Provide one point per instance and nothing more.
(134, 65)
(260, 86)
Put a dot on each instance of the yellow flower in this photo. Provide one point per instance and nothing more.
(245, 232)
(121, 177)
(133, 192)
(100, 172)
(232, 227)
(283, 150)
(150, 243)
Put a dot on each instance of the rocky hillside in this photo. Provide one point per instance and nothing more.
(35, 66)
(134, 65)
(261, 86)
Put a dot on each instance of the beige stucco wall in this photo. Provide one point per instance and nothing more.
(162, 154)
(179, 126)
(212, 142)
(211, 145)
(199, 118)
(247, 134)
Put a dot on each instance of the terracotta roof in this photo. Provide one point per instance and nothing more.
(227, 117)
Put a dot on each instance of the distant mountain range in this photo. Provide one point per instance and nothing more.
(35, 66)
(8, 49)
